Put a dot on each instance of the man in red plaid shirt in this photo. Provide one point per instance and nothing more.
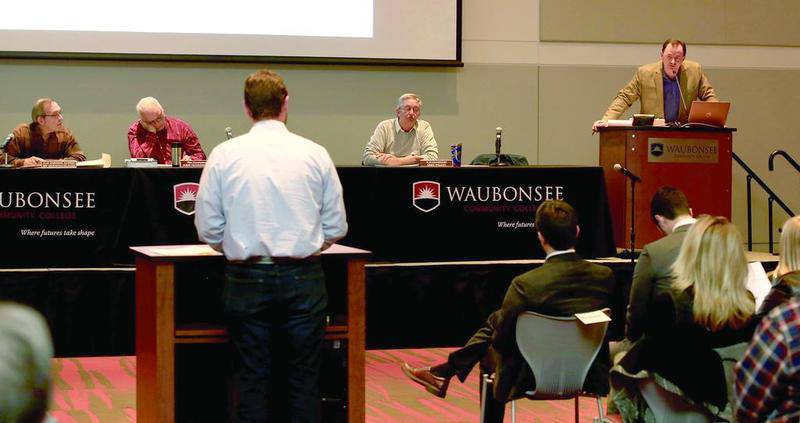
(768, 376)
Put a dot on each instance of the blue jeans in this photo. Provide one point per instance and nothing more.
(262, 300)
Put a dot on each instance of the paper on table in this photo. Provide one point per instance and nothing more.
(757, 282)
(184, 250)
(104, 161)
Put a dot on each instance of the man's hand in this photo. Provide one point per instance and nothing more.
(391, 160)
(385, 158)
(599, 124)
(411, 160)
(32, 161)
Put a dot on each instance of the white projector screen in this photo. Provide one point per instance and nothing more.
(348, 30)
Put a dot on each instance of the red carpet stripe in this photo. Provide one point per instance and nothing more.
(103, 390)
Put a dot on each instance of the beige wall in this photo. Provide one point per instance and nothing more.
(726, 22)
(543, 72)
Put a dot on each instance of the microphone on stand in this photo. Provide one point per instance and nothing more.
(623, 170)
(498, 141)
(228, 132)
(3, 147)
(634, 179)
(8, 139)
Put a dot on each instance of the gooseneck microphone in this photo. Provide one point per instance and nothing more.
(228, 132)
(623, 170)
(498, 141)
(5, 155)
(8, 139)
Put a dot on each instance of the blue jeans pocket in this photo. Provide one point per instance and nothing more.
(246, 290)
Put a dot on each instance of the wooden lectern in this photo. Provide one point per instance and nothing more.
(158, 333)
(695, 160)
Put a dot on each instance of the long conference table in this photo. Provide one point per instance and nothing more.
(421, 224)
(90, 217)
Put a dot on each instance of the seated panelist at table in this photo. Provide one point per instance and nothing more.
(665, 88)
(153, 134)
(45, 138)
(404, 140)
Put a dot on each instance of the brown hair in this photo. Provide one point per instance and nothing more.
(39, 106)
(557, 221)
(264, 94)
(669, 202)
(673, 42)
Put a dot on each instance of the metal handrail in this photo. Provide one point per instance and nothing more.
(773, 198)
(786, 156)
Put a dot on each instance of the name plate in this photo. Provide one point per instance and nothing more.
(682, 150)
(59, 164)
(436, 163)
(194, 163)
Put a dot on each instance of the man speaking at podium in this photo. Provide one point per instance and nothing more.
(45, 138)
(665, 89)
(406, 140)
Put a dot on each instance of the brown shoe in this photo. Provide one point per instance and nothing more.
(434, 384)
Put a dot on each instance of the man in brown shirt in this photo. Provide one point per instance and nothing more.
(44, 138)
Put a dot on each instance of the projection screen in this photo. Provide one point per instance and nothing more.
(357, 31)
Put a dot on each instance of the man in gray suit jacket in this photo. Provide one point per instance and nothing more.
(564, 285)
(653, 272)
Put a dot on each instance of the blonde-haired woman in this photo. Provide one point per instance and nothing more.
(709, 307)
(786, 280)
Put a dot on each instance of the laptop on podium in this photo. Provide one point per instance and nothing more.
(709, 113)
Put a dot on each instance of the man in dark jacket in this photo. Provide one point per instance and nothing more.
(564, 285)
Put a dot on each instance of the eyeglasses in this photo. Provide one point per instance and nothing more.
(411, 109)
(154, 121)
(677, 59)
(55, 115)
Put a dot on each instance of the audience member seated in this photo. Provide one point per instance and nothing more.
(708, 307)
(564, 285)
(404, 140)
(652, 275)
(26, 352)
(45, 138)
(786, 279)
(768, 376)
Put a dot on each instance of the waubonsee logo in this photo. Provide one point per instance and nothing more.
(425, 195)
(184, 196)
(656, 149)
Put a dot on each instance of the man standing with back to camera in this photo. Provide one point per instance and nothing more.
(271, 201)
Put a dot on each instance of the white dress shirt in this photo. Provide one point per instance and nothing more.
(269, 193)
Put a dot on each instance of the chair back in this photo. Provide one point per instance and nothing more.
(668, 407)
(559, 350)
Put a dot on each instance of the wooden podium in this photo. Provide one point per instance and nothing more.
(158, 333)
(695, 160)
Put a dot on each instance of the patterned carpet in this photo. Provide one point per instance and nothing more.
(103, 390)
